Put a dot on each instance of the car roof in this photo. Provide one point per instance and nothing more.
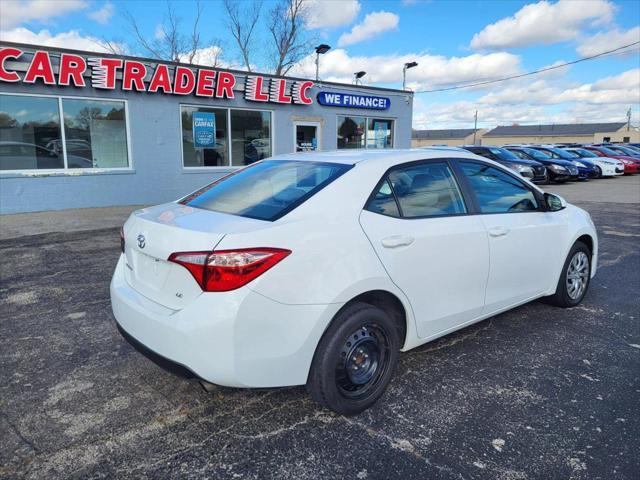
(382, 156)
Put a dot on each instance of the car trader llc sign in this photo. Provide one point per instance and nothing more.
(137, 76)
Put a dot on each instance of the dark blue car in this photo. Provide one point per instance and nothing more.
(586, 169)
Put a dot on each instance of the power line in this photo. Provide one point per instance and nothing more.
(534, 72)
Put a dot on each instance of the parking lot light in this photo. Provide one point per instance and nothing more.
(406, 67)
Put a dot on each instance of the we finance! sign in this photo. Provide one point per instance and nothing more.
(112, 73)
(350, 100)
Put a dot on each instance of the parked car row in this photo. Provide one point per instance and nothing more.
(564, 162)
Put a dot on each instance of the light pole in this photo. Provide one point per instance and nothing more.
(359, 75)
(320, 50)
(406, 67)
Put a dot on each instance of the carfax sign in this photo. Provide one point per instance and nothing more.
(349, 100)
(204, 130)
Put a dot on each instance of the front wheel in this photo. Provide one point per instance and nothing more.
(355, 359)
(598, 172)
(575, 277)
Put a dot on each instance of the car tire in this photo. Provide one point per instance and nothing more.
(574, 279)
(598, 172)
(355, 359)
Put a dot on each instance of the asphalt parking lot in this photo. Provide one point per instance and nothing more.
(537, 392)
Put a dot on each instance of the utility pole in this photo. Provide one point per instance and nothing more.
(629, 119)
(475, 126)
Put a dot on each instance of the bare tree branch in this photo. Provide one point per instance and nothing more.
(242, 23)
(169, 42)
(286, 25)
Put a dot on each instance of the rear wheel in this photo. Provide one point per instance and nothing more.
(575, 277)
(355, 359)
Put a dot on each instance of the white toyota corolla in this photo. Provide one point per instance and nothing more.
(318, 268)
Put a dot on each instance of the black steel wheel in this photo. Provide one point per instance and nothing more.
(355, 359)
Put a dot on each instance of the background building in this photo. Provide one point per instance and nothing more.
(558, 133)
(562, 133)
(449, 137)
(82, 129)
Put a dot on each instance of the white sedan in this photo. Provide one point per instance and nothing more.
(318, 268)
(607, 167)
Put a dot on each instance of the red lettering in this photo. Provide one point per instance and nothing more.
(160, 79)
(133, 76)
(40, 68)
(184, 81)
(299, 92)
(260, 97)
(224, 85)
(281, 96)
(205, 83)
(5, 75)
(103, 72)
(71, 68)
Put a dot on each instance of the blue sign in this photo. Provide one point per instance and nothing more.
(204, 130)
(349, 100)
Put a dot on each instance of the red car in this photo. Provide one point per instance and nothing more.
(631, 164)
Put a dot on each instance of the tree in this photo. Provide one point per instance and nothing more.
(242, 23)
(170, 43)
(286, 26)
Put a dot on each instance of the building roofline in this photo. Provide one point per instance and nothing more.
(25, 46)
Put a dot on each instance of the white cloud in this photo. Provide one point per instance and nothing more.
(603, 41)
(72, 39)
(544, 23)
(622, 89)
(461, 115)
(15, 12)
(545, 100)
(210, 56)
(104, 14)
(374, 24)
(331, 13)
(432, 70)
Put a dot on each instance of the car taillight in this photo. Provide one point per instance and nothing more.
(224, 270)
(122, 239)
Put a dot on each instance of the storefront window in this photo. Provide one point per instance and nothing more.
(95, 133)
(30, 133)
(204, 153)
(351, 132)
(250, 136)
(379, 133)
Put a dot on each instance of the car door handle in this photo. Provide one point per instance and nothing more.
(498, 231)
(395, 241)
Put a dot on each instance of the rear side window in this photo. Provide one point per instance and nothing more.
(423, 190)
(497, 191)
(266, 190)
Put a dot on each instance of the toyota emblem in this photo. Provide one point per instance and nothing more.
(141, 241)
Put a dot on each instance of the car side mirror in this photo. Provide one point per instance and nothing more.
(554, 202)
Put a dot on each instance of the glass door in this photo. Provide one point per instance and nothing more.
(306, 136)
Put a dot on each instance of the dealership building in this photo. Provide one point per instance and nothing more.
(82, 129)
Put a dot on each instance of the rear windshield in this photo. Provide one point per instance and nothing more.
(503, 153)
(266, 190)
(537, 154)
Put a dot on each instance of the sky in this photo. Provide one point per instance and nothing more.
(454, 43)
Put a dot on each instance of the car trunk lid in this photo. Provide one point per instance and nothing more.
(153, 234)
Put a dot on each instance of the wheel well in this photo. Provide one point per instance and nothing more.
(588, 241)
(388, 303)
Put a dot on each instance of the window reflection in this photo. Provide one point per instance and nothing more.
(95, 134)
(250, 136)
(498, 192)
(29, 127)
(351, 132)
(215, 156)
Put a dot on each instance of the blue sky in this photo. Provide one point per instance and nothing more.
(454, 42)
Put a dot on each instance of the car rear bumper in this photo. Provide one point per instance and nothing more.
(237, 339)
